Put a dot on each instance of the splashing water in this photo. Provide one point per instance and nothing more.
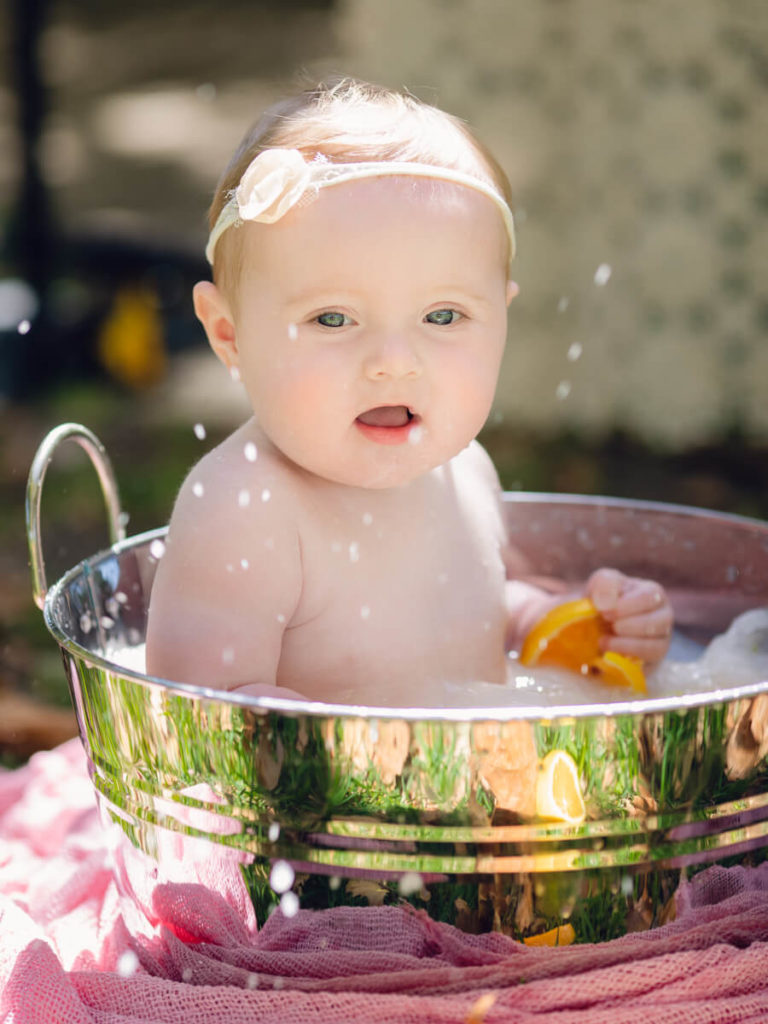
(128, 964)
(281, 877)
(603, 274)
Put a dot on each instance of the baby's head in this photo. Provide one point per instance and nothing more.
(344, 123)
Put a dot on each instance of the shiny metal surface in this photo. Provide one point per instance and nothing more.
(436, 806)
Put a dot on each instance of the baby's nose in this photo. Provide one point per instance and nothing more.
(390, 358)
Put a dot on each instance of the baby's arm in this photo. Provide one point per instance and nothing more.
(227, 586)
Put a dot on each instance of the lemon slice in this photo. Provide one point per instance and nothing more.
(620, 670)
(569, 637)
(563, 935)
(558, 793)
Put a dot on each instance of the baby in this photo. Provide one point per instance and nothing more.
(347, 544)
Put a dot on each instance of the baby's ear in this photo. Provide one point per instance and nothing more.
(513, 289)
(215, 314)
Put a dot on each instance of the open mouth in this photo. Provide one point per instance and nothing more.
(387, 416)
(388, 424)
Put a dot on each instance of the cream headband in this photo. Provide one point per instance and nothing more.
(277, 179)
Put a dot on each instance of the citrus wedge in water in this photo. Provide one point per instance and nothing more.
(558, 792)
(563, 935)
(569, 637)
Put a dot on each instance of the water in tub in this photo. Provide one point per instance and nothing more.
(738, 657)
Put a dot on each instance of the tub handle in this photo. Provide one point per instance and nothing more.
(97, 453)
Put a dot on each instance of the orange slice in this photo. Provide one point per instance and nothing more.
(558, 792)
(563, 935)
(569, 636)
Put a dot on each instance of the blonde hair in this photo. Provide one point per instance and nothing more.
(349, 121)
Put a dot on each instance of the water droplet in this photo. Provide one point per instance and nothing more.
(409, 884)
(293, 332)
(251, 451)
(187, 974)
(112, 607)
(123, 519)
(274, 832)
(157, 549)
(563, 303)
(24, 327)
(367, 518)
(334, 883)
(197, 489)
(228, 655)
(127, 964)
(281, 618)
(199, 430)
(282, 876)
(234, 373)
(354, 551)
(244, 498)
(86, 622)
(574, 351)
(244, 564)
(603, 274)
(562, 390)
(252, 981)
(120, 597)
(365, 612)
(416, 434)
(732, 573)
(627, 885)
(266, 494)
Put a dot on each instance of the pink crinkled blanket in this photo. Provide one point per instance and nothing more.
(66, 956)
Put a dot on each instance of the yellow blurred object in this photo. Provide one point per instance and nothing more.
(130, 343)
(558, 792)
(569, 637)
(621, 670)
(563, 935)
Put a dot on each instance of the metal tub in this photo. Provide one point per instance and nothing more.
(433, 806)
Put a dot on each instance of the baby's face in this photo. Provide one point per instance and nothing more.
(370, 326)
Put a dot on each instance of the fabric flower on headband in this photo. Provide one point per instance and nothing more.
(274, 182)
(276, 179)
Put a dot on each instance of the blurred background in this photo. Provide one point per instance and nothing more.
(635, 133)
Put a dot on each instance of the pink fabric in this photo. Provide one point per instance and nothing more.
(65, 955)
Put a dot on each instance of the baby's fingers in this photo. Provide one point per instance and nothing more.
(648, 649)
(642, 597)
(649, 624)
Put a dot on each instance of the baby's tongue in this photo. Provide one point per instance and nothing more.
(385, 416)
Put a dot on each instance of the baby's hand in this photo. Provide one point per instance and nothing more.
(638, 612)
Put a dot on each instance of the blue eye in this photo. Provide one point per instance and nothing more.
(332, 319)
(442, 317)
